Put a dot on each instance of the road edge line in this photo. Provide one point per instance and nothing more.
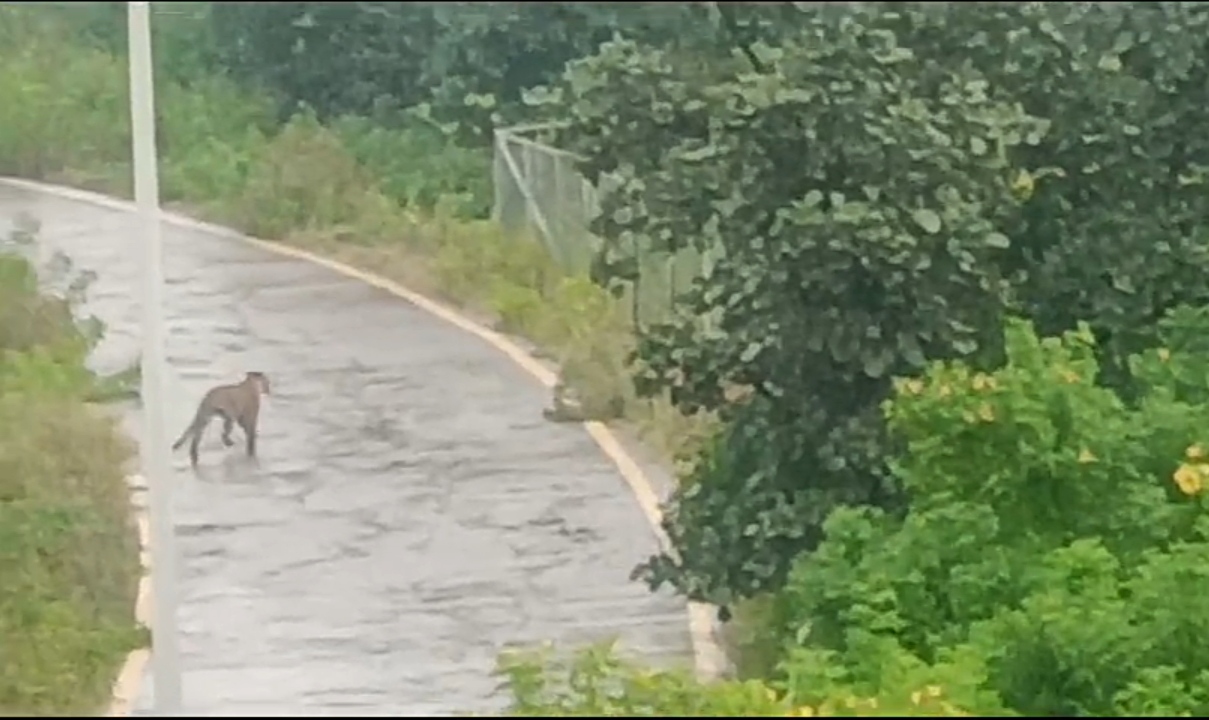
(125, 689)
(709, 660)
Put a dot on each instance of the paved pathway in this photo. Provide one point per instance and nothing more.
(411, 513)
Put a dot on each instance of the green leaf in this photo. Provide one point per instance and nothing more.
(998, 241)
(927, 219)
(1110, 63)
(876, 366)
(1123, 42)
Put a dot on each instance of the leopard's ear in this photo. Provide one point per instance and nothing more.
(261, 379)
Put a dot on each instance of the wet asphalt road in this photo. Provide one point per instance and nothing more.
(411, 513)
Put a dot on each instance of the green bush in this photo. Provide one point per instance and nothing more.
(1056, 536)
(303, 179)
(68, 549)
(210, 133)
(63, 105)
(595, 682)
(418, 166)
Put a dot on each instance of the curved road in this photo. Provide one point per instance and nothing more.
(411, 513)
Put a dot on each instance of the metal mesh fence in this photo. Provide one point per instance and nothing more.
(539, 192)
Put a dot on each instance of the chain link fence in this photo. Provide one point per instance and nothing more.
(538, 192)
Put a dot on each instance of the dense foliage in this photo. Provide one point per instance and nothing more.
(468, 62)
(68, 550)
(879, 183)
(1056, 535)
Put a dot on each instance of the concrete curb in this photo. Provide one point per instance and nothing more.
(710, 660)
(126, 685)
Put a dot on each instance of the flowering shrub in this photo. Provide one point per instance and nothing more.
(1056, 535)
(596, 683)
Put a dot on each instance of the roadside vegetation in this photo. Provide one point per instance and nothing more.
(68, 546)
(939, 402)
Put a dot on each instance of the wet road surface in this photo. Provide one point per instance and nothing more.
(411, 513)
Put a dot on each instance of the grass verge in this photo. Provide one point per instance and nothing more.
(68, 547)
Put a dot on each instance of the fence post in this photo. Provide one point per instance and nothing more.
(533, 211)
(563, 257)
(498, 175)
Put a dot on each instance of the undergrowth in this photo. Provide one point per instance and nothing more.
(68, 549)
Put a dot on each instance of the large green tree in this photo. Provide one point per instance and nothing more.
(877, 183)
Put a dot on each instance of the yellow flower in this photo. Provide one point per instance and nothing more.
(804, 711)
(917, 697)
(982, 381)
(1195, 452)
(1164, 354)
(913, 387)
(1022, 185)
(933, 690)
(1189, 478)
(945, 391)
(986, 412)
(1085, 456)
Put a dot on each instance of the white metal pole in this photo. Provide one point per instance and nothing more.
(154, 452)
